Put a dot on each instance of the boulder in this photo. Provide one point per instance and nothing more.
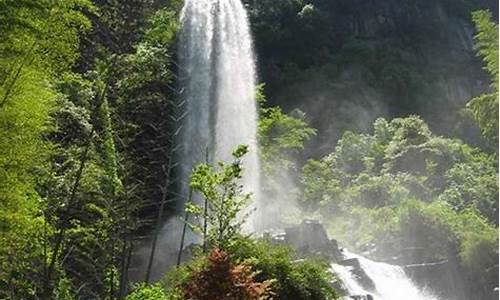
(310, 238)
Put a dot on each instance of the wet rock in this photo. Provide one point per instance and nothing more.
(363, 279)
(351, 262)
(362, 297)
(310, 238)
(443, 277)
(339, 287)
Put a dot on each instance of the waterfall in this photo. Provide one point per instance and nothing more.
(218, 78)
(391, 282)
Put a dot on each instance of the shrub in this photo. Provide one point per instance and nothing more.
(150, 292)
(292, 279)
(273, 267)
(222, 279)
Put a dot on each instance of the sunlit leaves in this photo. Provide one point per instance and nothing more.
(222, 190)
(402, 153)
(44, 33)
(485, 107)
(143, 292)
(487, 42)
(403, 187)
(281, 135)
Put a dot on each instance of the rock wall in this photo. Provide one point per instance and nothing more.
(345, 63)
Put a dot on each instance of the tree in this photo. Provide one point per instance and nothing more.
(402, 187)
(39, 42)
(224, 194)
(485, 106)
(252, 265)
(83, 189)
(405, 152)
(281, 138)
(225, 280)
(82, 110)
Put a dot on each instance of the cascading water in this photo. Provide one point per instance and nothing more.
(218, 71)
(391, 282)
(218, 76)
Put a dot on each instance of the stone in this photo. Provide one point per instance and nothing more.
(351, 262)
(309, 238)
(365, 281)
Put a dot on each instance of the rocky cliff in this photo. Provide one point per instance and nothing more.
(345, 63)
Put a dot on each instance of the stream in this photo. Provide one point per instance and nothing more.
(391, 282)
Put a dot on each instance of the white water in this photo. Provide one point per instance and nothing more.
(218, 71)
(391, 282)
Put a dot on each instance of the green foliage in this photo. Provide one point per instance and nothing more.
(41, 33)
(221, 278)
(162, 27)
(82, 187)
(152, 292)
(145, 111)
(474, 184)
(347, 63)
(287, 29)
(39, 41)
(401, 159)
(288, 278)
(273, 265)
(182, 275)
(444, 231)
(351, 151)
(291, 279)
(280, 135)
(485, 107)
(321, 186)
(487, 42)
(23, 120)
(281, 138)
(224, 194)
(479, 253)
(67, 214)
(402, 188)
(21, 252)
